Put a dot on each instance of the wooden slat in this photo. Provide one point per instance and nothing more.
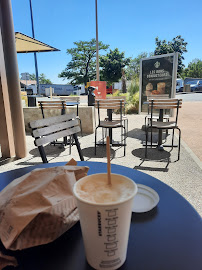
(50, 102)
(54, 128)
(166, 107)
(165, 99)
(113, 107)
(164, 124)
(52, 120)
(109, 103)
(71, 99)
(109, 100)
(117, 97)
(53, 107)
(165, 96)
(55, 136)
(165, 103)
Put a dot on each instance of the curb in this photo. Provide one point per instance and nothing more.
(191, 153)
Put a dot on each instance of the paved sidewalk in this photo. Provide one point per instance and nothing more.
(190, 122)
(184, 175)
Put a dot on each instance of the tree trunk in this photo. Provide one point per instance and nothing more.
(123, 79)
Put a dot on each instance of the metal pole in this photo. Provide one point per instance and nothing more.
(35, 58)
(97, 49)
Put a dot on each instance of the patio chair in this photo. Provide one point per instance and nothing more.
(50, 129)
(110, 123)
(162, 104)
(71, 99)
(52, 104)
(124, 117)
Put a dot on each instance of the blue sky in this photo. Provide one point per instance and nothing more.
(129, 25)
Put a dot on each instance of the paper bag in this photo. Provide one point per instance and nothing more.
(38, 207)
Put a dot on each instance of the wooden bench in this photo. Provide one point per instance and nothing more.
(50, 129)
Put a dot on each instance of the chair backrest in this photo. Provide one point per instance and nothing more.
(114, 104)
(171, 103)
(110, 104)
(50, 129)
(117, 97)
(52, 104)
(164, 96)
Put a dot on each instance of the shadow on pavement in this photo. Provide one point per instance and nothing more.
(153, 156)
(50, 150)
(139, 134)
(4, 161)
(100, 152)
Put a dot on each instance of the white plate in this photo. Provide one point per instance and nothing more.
(145, 199)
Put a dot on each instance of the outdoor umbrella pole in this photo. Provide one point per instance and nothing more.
(35, 57)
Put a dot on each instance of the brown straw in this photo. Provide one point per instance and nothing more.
(108, 163)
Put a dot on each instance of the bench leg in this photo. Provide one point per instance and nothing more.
(78, 147)
(42, 154)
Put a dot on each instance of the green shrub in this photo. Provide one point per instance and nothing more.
(133, 98)
(116, 94)
(134, 87)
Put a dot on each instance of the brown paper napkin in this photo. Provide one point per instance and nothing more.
(38, 207)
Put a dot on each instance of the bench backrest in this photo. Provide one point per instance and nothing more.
(50, 129)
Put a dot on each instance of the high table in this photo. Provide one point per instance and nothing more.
(169, 237)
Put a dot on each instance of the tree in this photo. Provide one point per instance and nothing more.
(82, 67)
(194, 69)
(112, 65)
(133, 70)
(32, 77)
(42, 78)
(176, 45)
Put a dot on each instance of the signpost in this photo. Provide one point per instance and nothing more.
(100, 91)
(158, 76)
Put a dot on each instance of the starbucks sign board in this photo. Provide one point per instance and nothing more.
(158, 76)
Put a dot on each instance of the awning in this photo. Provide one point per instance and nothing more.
(26, 44)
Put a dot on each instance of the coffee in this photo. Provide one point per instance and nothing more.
(98, 190)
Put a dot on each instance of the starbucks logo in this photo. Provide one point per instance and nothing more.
(157, 64)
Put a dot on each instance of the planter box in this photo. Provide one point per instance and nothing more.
(86, 115)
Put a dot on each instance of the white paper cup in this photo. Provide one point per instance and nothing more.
(105, 226)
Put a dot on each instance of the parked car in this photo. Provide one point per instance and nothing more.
(179, 85)
(195, 85)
